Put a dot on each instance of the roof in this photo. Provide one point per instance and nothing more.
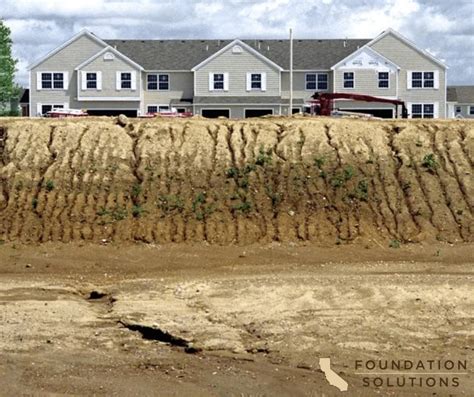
(461, 93)
(25, 96)
(183, 55)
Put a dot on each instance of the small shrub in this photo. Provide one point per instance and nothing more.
(137, 211)
(394, 244)
(34, 203)
(348, 172)
(136, 190)
(49, 185)
(319, 161)
(102, 212)
(170, 203)
(429, 162)
(119, 213)
(244, 207)
(263, 157)
(232, 173)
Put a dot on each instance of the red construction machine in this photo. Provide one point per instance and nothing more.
(323, 103)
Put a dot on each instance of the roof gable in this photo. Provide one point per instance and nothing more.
(114, 51)
(242, 45)
(409, 43)
(83, 32)
(366, 58)
(462, 94)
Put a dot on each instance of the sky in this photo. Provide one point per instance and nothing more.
(444, 28)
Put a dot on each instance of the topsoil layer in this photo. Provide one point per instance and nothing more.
(325, 181)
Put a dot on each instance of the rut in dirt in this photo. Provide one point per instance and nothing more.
(322, 181)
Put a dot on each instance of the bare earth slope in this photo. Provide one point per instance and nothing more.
(325, 181)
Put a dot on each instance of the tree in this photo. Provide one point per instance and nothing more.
(8, 88)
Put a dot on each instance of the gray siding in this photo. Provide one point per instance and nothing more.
(299, 84)
(109, 69)
(464, 110)
(237, 65)
(409, 59)
(66, 60)
(366, 82)
(181, 87)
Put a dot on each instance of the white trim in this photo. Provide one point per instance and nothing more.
(65, 44)
(245, 109)
(39, 80)
(435, 108)
(115, 99)
(353, 80)
(230, 45)
(263, 82)
(30, 93)
(104, 50)
(230, 112)
(378, 81)
(408, 42)
(240, 104)
(157, 81)
(361, 49)
(423, 71)
(316, 73)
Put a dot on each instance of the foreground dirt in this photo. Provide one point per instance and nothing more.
(228, 321)
(321, 180)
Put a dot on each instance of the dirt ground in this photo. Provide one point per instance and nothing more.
(200, 320)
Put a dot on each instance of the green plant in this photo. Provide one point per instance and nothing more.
(49, 185)
(137, 211)
(361, 192)
(263, 157)
(348, 172)
(34, 203)
(319, 161)
(232, 172)
(119, 213)
(429, 162)
(394, 243)
(102, 212)
(170, 203)
(136, 190)
(243, 206)
(200, 209)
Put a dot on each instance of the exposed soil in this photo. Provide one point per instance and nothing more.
(220, 321)
(324, 181)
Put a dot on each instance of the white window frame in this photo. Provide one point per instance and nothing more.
(471, 110)
(39, 107)
(317, 74)
(344, 80)
(435, 79)
(456, 111)
(133, 80)
(379, 80)
(157, 82)
(422, 114)
(150, 105)
(225, 85)
(39, 80)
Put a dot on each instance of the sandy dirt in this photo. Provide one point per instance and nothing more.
(322, 180)
(226, 321)
(227, 257)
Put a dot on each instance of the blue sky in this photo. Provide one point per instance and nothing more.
(444, 28)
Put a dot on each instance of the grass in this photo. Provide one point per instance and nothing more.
(429, 162)
(170, 203)
(264, 157)
(200, 207)
(244, 207)
(49, 185)
(394, 243)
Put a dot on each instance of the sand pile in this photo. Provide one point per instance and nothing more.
(325, 181)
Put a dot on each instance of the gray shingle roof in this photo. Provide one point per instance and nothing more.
(461, 93)
(185, 54)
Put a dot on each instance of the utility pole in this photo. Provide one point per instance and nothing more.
(290, 108)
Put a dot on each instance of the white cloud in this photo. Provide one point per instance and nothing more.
(39, 26)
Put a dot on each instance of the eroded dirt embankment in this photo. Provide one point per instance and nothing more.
(325, 181)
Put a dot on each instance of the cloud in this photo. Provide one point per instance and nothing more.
(446, 29)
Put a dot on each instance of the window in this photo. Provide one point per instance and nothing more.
(152, 109)
(91, 80)
(181, 110)
(163, 82)
(348, 79)
(423, 80)
(152, 82)
(218, 81)
(384, 81)
(256, 81)
(422, 111)
(52, 80)
(47, 108)
(458, 109)
(126, 80)
(471, 110)
(163, 108)
(316, 81)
